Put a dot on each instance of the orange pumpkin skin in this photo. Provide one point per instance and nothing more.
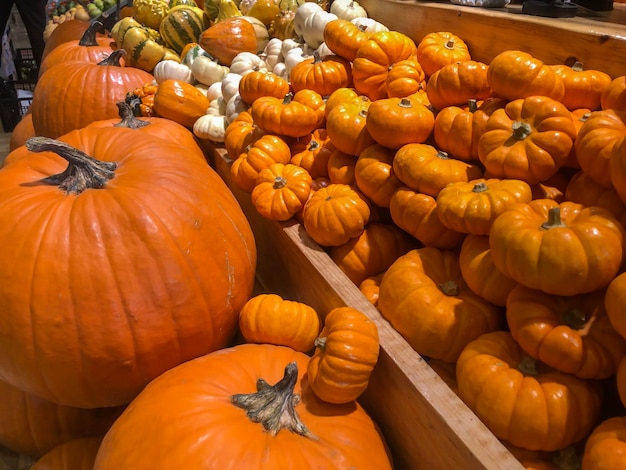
(335, 214)
(321, 74)
(375, 57)
(394, 122)
(480, 273)
(471, 207)
(134, 321)
(456, 83)
(180, 101)
(614, 97)
(227, 38)
(605, 448)
(89, 48)
(313, 152)
(425, 298)
(583, 88)
(256, 84)
(284, 116)
(64, 32)
(453, 132)
(581, 188)
(341, 167)
(77, 454)
(261, 154)
(561, 249)
(405, 78)
(270, 319)
(372, 252)
(370, 288)
(346, 352)
(210, 423)
(374, 175)
(346, 125)
(572, 334)
(34, 426)
(558, 409)
(515, 74)
(539, 134)
(436, 50)
(614, 301)
(240, 133)
(344, 38)
(424, 168)
(416, 213)
(280, 191)
(597, 141)
(22, 132)
(95, 91)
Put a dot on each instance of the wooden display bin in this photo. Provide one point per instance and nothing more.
(427, 426)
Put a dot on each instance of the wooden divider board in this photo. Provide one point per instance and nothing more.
(598, 40)
(427, 426)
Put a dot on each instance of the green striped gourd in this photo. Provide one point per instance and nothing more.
(182, 25)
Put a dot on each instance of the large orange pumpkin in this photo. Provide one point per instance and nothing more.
(34, 426)
(248, 407)
(127, 264)
(71, 95)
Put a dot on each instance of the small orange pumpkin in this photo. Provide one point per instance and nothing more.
(256, 84)
(268, 318)
(180, 101)
(438, 49)
(346, 352)
(281, 190)
(284, 116)
(605, 448)
(454, 84)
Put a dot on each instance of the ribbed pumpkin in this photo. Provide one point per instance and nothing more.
(34, 426)
(252, 401)
(71, 95)
(182, 25)
(426, 299)
(122, 262)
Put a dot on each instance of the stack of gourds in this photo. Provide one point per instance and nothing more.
(479, 206)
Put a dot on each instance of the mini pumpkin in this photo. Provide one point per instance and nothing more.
(281, 190)
(522, 401)
(605, 448)
(457, 83)
(346, 352)
(561, 249)
(260, 154)
(374, 174)
(270, 319)
(257, 84)
(313, 152)
(321, 74)
(471, 207)
(583, 87)
(284, 116)
(438, 49)
(335, 214)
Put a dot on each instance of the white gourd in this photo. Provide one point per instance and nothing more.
(214, 91)
(211, 127)
(347, 9)
(234, 106)
(246, 62)
(208, 71)
(272, 54)
(313, 27)
(369, 25)
(172, 70)
(230, 85)
(302, 13)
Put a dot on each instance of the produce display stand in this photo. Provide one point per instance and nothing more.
(425, 423)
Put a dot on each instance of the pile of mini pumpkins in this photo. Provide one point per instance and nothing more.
(128, 297)
(480, 207)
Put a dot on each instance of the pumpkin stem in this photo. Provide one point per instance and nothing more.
(128, 118)
(480, 187)
(528, 366)
(521, 130)
(83, 171)
(472, 105)
(554, 219)
(449, 44)
(405, 103)
(320, 342)
(288, 97)
(274, 405)
(575, 319)
(443, 155)
(113, 58)
(89, 36)
(279, 182)
(577, 66)
(449, 288)
(314, 145)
